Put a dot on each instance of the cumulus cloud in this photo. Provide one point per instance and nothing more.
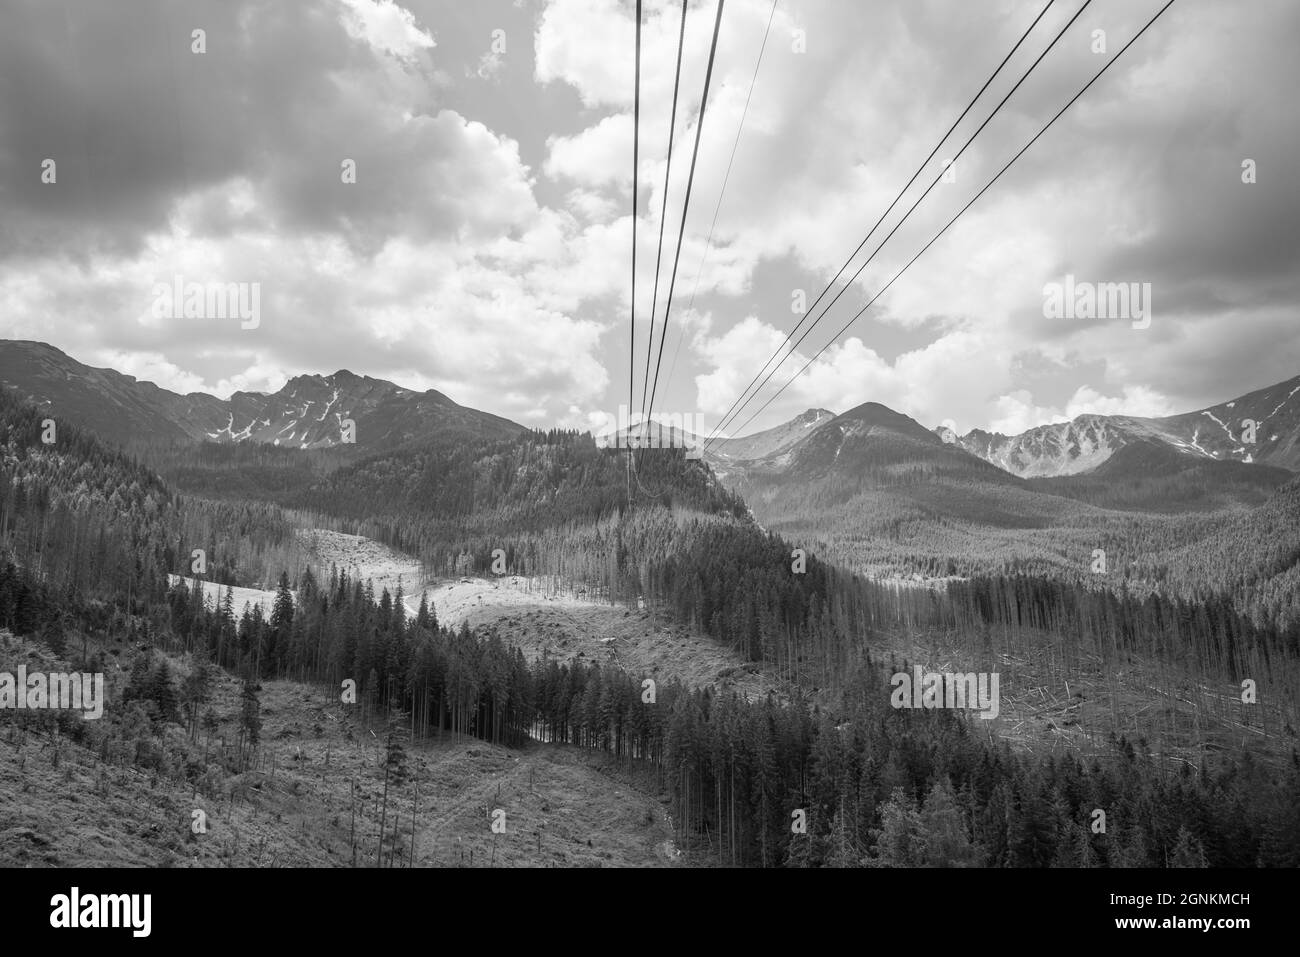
(436, 267)
(1016, 412)
(596, 156)
(484, 248)
(1127, 187)
(386, 26)
(1133, 400)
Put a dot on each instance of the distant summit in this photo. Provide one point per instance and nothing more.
(310, 412)
(769, 441)
(1259, 427)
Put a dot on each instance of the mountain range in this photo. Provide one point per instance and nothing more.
(313, 411)
(1222, 432)
(309, 412)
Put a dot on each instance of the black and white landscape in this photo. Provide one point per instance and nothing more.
(586, 433)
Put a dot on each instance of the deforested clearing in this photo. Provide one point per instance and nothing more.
(63, 805)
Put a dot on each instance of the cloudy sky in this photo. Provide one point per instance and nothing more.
(484, 249)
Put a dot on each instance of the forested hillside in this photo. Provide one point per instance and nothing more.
(1149, 477)
(553, 504)
(1254, 556)
(873, 785)
(239, 473)
(89, 535)
(93, 524)
(876, 492)
(440, 500)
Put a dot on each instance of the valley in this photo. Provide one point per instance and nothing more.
(472, 618)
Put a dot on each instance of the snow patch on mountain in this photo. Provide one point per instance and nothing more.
(1064, 448)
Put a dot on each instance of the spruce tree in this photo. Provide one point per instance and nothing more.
(1187, 851)
(250, 721)
(947, 844)
(196, 692)
(162, 691)
(395, 771)
(900, 840)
